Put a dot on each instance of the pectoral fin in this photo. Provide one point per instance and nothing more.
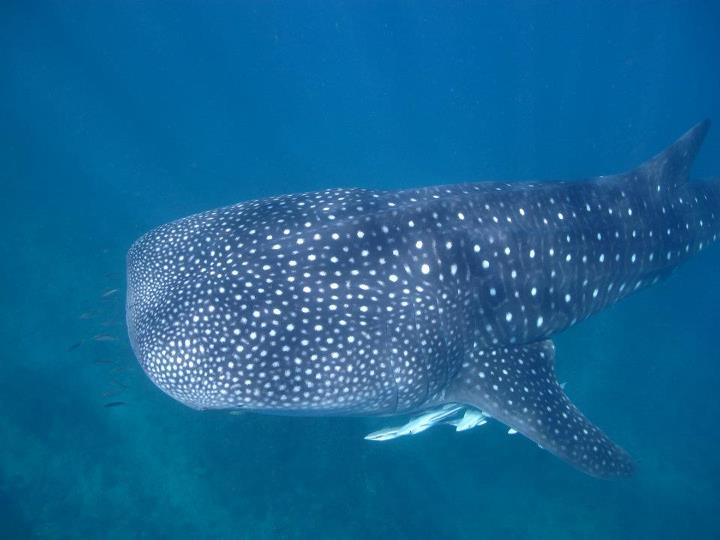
(518, 387)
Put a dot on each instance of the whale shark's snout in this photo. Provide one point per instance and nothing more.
(157, 323)
(182, 330)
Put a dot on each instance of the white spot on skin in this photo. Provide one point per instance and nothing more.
(425, 269)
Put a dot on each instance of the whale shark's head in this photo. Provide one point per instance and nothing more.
(263, 305)
(170, 278)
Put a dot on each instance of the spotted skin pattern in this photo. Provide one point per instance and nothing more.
(360, 302)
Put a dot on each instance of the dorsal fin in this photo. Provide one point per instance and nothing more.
(671, 167)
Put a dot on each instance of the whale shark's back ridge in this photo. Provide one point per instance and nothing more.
(674, 163)
(671, 167)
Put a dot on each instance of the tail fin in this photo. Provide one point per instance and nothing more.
(671, 167)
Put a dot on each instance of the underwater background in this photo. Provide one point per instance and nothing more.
(118, 116)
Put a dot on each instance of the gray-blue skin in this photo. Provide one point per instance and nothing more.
(360, 302)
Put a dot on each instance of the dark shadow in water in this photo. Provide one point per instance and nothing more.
(13, 523)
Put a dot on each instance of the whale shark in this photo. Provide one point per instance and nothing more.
(439, 302)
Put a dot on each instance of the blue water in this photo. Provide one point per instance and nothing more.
(118, 116)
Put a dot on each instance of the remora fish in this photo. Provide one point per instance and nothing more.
(360, 302)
